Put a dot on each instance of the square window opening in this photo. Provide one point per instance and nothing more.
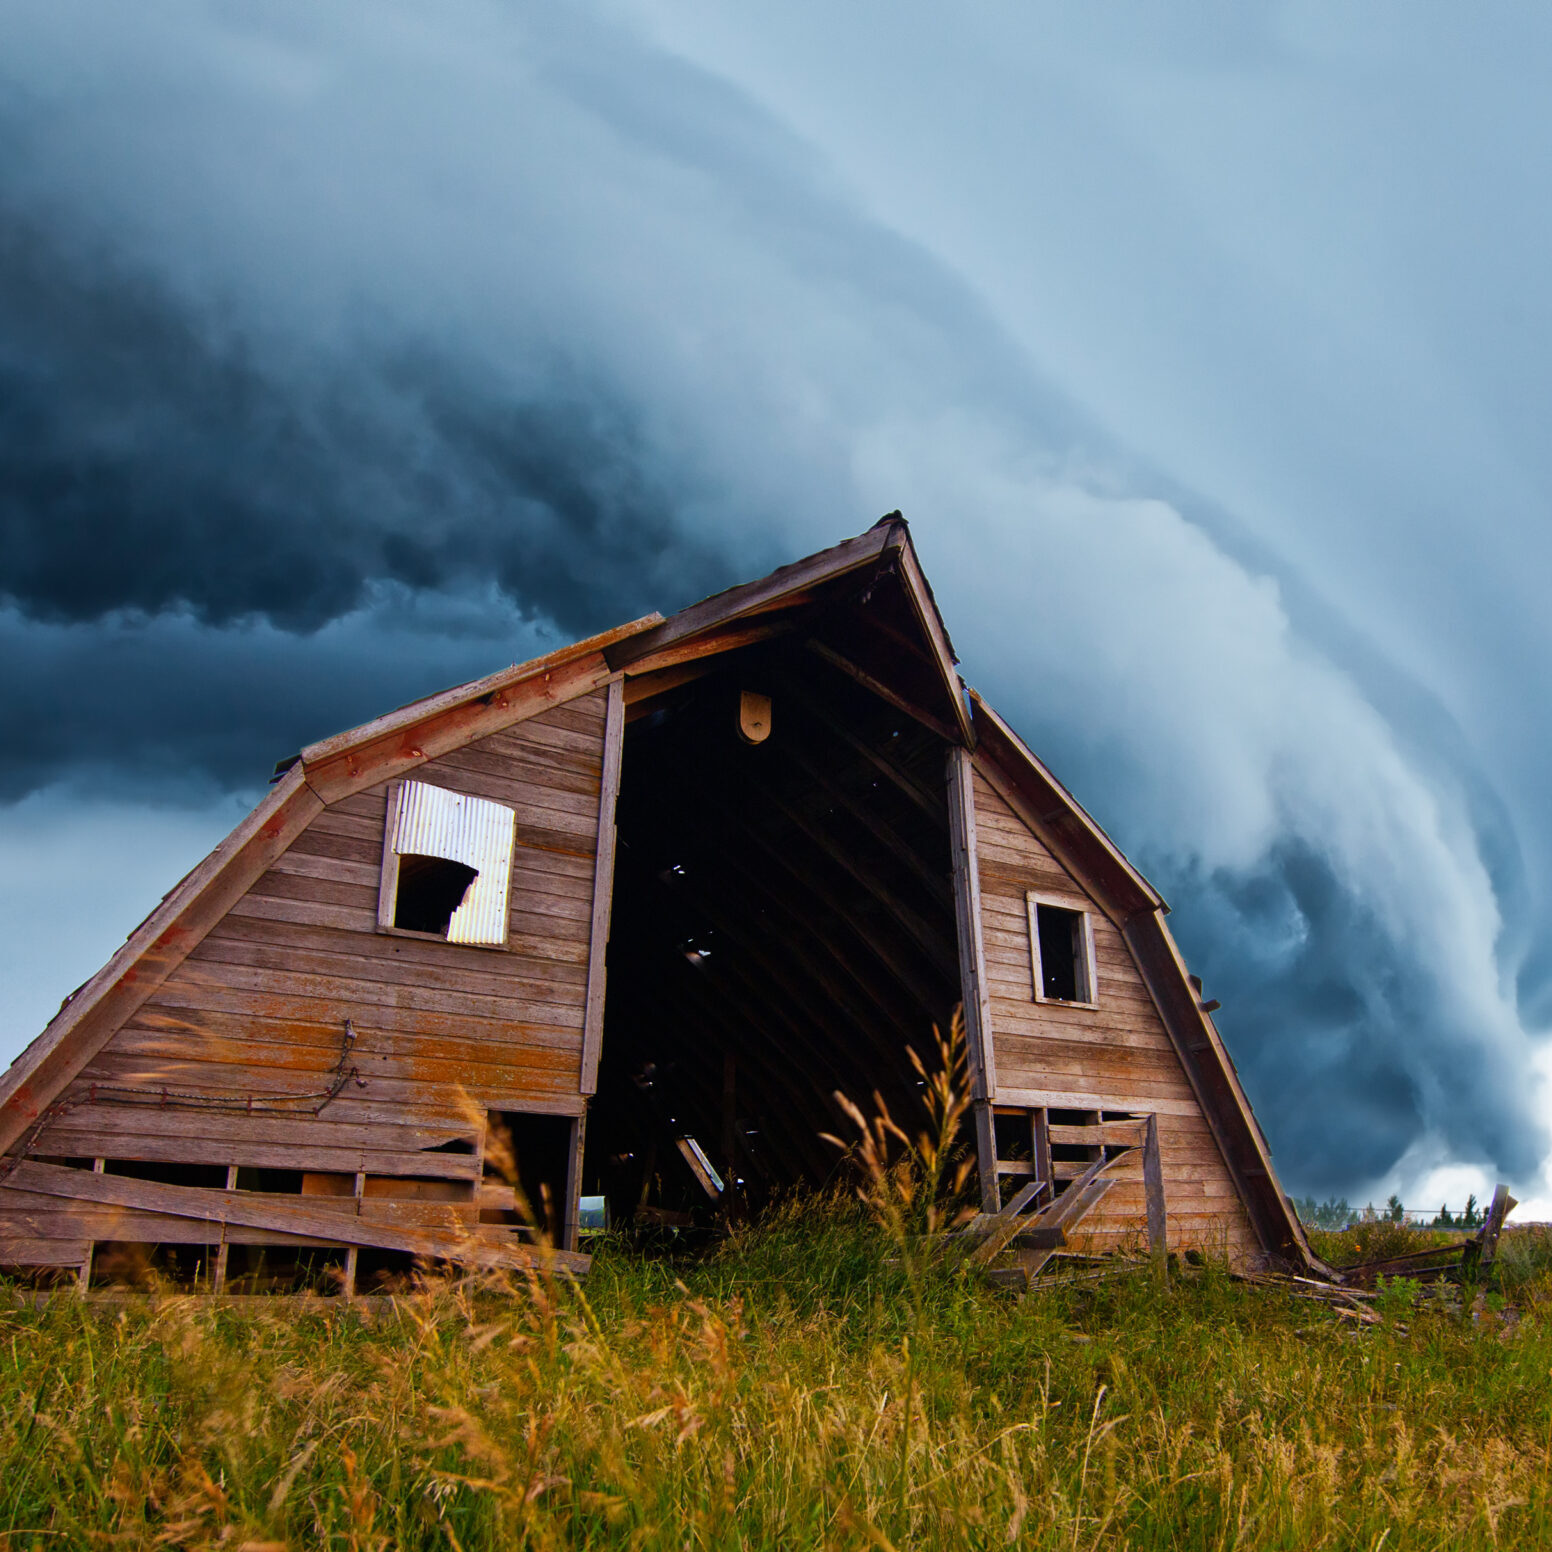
(1062, 941)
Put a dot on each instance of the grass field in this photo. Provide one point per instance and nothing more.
(795, 1388)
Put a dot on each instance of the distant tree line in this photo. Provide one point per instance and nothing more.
(1339, 1213)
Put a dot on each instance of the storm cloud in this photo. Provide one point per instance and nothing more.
(151, 460)
(347, 353)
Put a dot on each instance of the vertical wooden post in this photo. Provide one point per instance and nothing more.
(83, 1278)
(572, 1221)
(218, 1283)
(972, 969)
(1153, 1184)
(1040, 1127)
(729, 1128)
(1487, 1240)
(353, 1255)
(603, 887)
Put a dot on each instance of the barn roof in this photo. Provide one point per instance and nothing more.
(863, 605)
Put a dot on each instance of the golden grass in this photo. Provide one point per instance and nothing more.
(784, 1394)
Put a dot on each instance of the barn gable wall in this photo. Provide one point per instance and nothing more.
(1115, 1057)
(442, 1032)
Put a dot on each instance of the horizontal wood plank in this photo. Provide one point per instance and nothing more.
(290, 1214)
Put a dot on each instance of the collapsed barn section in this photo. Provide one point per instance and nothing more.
(604, 935)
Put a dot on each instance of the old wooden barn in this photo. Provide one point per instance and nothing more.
(630, 915)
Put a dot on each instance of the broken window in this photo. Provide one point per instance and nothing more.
(1062, 945)
(447, 864)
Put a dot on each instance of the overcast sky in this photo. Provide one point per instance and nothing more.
(348, 351)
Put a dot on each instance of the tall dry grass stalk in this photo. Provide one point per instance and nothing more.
(914, 1189)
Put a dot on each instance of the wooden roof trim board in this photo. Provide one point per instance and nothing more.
(926, 609)
(152, 951)
(1065, 826)
(391, 745)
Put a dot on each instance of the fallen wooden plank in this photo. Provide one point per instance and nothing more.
(1001, 1227)
(237, 1207)
(34, 1251)
(1487, 1240)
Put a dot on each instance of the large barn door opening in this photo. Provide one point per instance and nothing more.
(783, 927)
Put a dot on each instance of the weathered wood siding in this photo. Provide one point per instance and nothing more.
(1116, 1056)
(443, 1031)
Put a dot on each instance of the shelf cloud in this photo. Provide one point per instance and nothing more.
(348, 353)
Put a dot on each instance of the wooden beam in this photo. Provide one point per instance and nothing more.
(690, 1001)
(694, 652)
(934, 880)
(1040, 1130)
(729, 1116)
(824, 937)
(949, 735)
(973, 980)
(394, 745)
(702, 1175)
(916, 927)
(1153, 1185)
(1486, 1243)
(603, 888)
(641, 690)
(929, 803)
(783, 860)
(926, 610)
(231, 1208)
(573, 1206)
(721, 910)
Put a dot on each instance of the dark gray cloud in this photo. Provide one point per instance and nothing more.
(1343, 1039)
(345, 354)
(151, 461)
(166, 708)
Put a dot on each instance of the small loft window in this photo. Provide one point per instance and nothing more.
(447, 865)
(1061, 938)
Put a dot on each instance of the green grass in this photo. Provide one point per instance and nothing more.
(755, 1399)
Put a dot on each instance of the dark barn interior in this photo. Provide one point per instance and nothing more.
(783, 927)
